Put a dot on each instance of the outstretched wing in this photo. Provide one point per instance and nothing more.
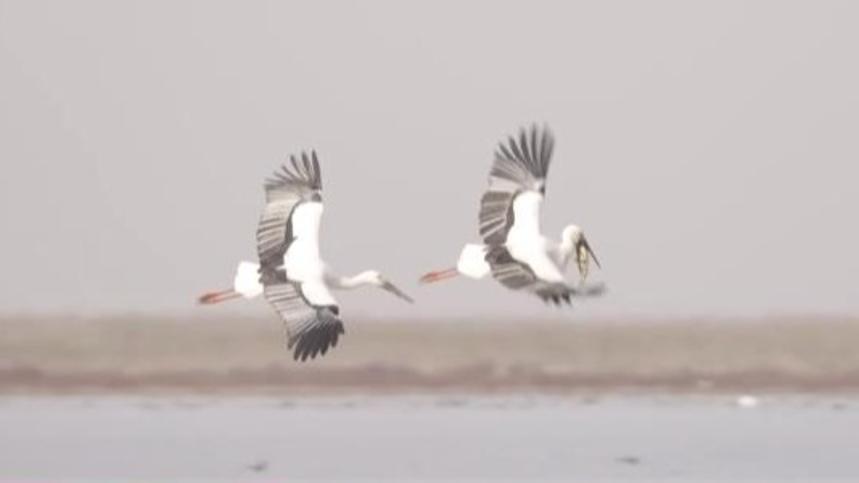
(310, 329)
(520, 166)
(284, 192)
(516, 275)
(312, 324)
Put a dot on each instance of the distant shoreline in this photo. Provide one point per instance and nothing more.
(142, 355)
(362, 380)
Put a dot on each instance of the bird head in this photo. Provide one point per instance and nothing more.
(380, 281)
(575, 237)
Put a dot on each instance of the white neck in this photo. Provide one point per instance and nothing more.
(566, 249)
(355, 281)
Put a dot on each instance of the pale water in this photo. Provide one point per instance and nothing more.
(517, 438)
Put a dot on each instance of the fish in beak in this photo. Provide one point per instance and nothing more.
(583, 255)
(390, 287)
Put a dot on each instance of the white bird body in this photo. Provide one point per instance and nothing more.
(525, 241)
(317, 293)
(246, 282)
(302, 260)
(291, 274)
(515, 251)
(552, 256)
(526, 213)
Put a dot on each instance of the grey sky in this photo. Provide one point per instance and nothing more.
(709, 149)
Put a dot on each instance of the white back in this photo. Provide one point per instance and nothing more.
(526, 217)
(317, 293)
(524, 240)
(302, 260)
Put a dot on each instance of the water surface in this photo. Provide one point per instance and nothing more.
(518, 438)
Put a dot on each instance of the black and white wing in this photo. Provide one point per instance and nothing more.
(309, 313)
(284, 192)
(512, 204)
(311, 329)
(517, 275)
(520, 167)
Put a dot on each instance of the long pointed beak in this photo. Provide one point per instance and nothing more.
(390, 287)
(588, 248)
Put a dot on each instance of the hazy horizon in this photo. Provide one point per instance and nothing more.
(709, 151)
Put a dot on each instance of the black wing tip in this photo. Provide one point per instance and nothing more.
(300, 168)
(531, 149)
(557, 294)
(527, 135)
(316, 341)
(536, 129)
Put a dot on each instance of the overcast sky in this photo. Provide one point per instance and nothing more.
(710, 150)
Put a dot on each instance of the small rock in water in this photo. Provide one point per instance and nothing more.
(629, 460)
(259, 466)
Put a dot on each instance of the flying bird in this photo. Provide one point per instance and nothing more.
(514, 250)
(291, 274)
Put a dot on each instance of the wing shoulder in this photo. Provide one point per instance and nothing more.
(296, 182)
(520, 168)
